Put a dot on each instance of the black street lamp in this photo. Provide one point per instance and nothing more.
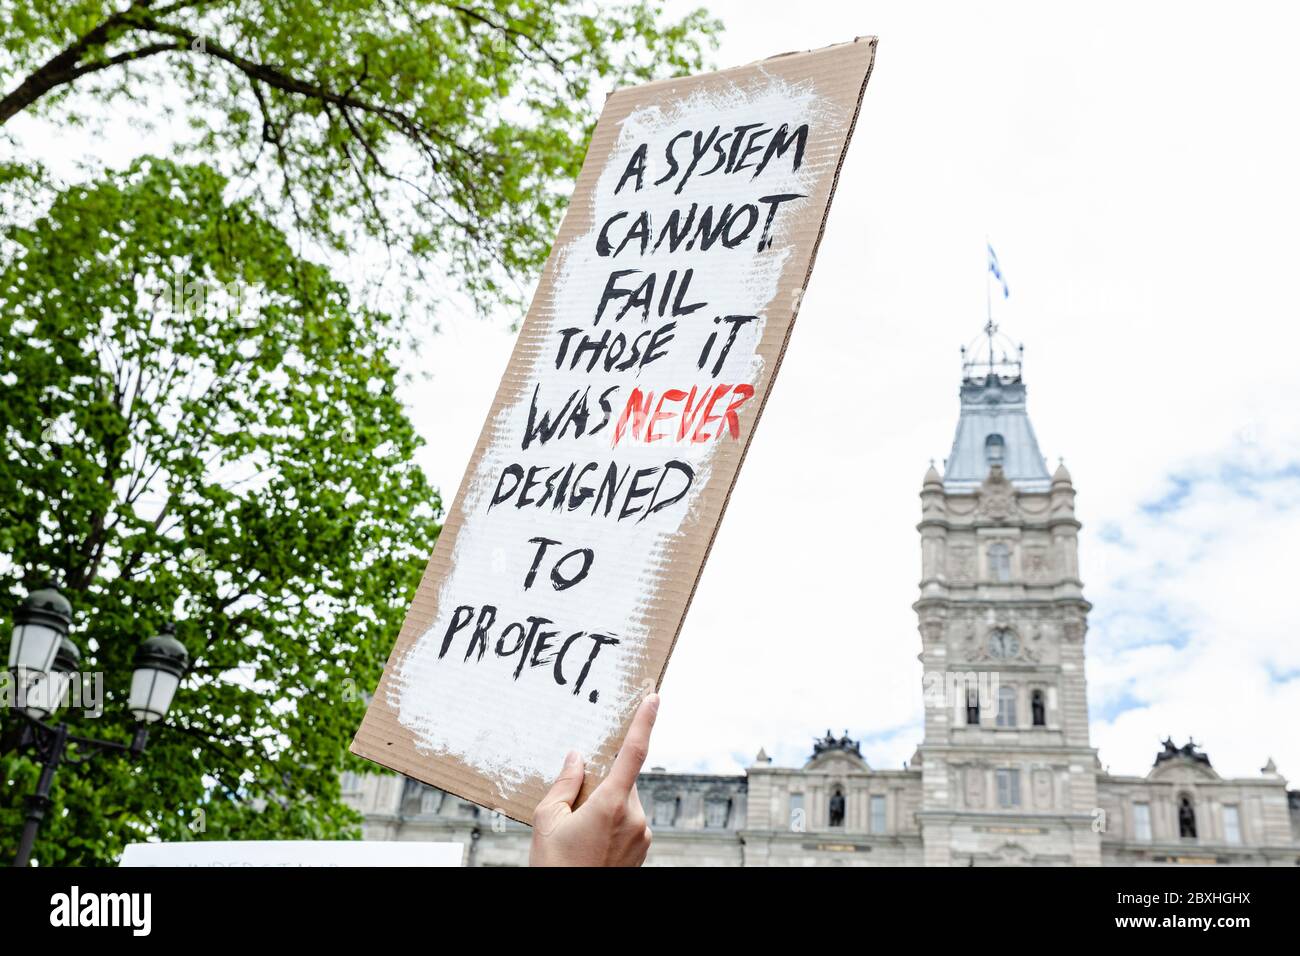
(43, 661)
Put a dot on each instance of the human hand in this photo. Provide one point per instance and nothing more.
(609, 829)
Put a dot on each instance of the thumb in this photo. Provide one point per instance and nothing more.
(558, 802)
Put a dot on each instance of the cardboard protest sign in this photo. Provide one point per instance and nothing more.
(563, 573)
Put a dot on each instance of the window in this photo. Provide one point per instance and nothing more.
(1038, 708)
(665, 812)
(972, 705)
(877, 814)
(1008, 788)
(1000, 563)
(412, 796)
(716, 811)
(1142, 822)
(1231, 824)
(796, 812)
(1007, 707)
(994, 449)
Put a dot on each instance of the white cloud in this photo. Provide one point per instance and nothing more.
(1193, 631)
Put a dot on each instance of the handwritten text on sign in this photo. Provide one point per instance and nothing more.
(582, 523)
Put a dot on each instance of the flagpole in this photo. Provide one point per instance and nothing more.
(988, 289)
(988, 297)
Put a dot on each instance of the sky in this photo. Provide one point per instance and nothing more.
(1134, 166)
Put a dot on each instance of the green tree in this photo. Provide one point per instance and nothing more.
(448, 130)
(200, 426)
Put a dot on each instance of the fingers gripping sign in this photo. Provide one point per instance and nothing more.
(609, 828)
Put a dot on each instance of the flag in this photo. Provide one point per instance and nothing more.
(997, 271)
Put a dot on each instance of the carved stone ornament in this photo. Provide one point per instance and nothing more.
(997, 496)
(1043, 789)
(1038, 563)
(961, 562)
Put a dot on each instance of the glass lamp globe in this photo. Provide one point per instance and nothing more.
(160, 663)
(40, 623)
(48, 689)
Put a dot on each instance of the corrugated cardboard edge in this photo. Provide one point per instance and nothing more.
(381, 737)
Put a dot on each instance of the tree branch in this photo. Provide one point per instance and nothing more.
(127, 57)
(65, 66)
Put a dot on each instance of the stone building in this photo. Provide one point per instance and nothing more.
(1005, 773)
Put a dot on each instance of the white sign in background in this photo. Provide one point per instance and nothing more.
(219, 853)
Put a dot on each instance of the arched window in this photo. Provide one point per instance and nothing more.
(412, 796)
(1038, 707)
(1186, 818)
(1000, 562)
(717, 809)
(431, 800)
(665, 811)
(1007, 707)
(994, 449)
(835, 810)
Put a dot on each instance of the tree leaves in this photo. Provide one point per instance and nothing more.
(451, 131)
(200, 425)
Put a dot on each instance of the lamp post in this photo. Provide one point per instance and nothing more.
(43, 661)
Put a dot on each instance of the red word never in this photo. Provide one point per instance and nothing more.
(643, 414)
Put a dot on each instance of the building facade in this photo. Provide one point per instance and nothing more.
(1005, 773)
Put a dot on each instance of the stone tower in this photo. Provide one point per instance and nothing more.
(1008, 773)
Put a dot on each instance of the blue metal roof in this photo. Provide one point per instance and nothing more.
(994, 427)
